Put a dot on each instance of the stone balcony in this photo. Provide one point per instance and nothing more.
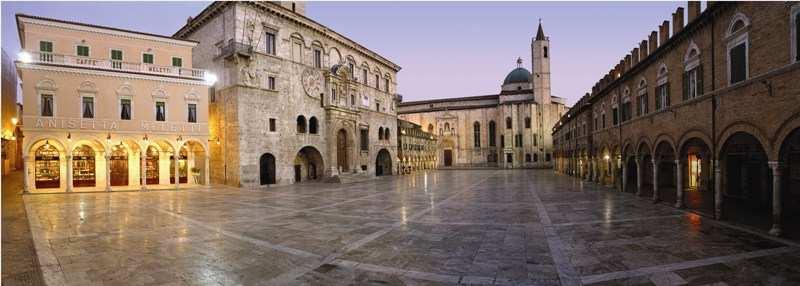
(113, 65)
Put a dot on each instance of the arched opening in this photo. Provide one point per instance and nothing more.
(386, 134)
(313, 125)
(192, 158)
(383, 163)
(695, 168)
(508, 122)
(492, 132)
(645, 182)
(476, 136)
(301, 124)
(119, 165)
(746, 181)
(47, 167)
(790, 183)
(266, 167)
(183, 166)
(151, 162)
(630, 173)
(341, 151)
(84, 172)
(307, 164)
(380, 133)
(665, 172)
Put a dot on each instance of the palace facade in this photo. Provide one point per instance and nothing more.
(705, 117)
(295, 100)
(109, 109)
(511, 129)
(416, 148)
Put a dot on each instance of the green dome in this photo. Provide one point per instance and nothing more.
(518, 75)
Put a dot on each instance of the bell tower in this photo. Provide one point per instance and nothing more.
(540, 57)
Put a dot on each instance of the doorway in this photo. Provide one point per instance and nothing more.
(448, 158)
(267, 169)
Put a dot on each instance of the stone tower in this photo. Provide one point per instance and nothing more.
(540, 57)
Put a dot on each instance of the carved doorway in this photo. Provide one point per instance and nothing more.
(341, 150)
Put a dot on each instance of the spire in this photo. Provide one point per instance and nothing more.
(519, 62)
(540, 33)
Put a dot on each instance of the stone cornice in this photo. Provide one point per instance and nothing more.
(95, 72)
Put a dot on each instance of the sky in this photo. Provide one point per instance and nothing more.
(445, 49)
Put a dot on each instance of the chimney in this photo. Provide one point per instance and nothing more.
(664, 33)
(628, 62)
(643, 50)
(694, 11)
(677, 21)
(653, 41)
(635, 56)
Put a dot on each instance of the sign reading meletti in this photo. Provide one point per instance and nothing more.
(115, 125)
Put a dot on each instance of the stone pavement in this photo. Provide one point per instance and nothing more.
(20, 266)
(503, 227)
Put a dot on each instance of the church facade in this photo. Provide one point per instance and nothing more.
(511, 129)
(295, 100)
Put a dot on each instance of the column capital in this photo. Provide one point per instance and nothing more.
(776, 165)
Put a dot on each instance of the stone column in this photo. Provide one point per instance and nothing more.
(624, 177)
(597, 173)
(25, 174)
(143, 169)
(176, 169)
(108, 172)
(777, 207)
(655, 179)
(717, 190)
(69, 173)
(679, 183)
(638, 175)
(207, 170)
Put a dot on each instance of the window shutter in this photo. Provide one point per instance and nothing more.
(685, 86)
(700, 80)
(738, 65)
(666, 95)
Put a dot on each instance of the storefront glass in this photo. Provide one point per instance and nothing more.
(151, 163)
(83, 167)
(47, 171)
(119, 166)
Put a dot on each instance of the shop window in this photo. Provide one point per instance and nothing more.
(83, 167)
(47, 167)
(695, 168)
(151, 165)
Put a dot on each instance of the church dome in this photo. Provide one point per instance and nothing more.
(518, 75)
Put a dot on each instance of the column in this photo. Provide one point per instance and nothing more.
(777, 207)
(207, 170)
(25, 175)
(717, 189)
(638, 176)
(597, 173)
(108, 172)
(624, 177)
(655, 179)
(143, 169)
(69, 173)
(177, 168)
(679, 183)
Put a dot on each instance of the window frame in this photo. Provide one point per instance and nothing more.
(270, 48)
(180, 62)
(734, 39)
(164, 103)
(94, 109)
(88, 50)
(189, 112)
(271, 83)
(130, 102)
(40, 46)
(52, 103)
(794, 23)
(152, 58)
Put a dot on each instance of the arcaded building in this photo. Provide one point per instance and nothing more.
(416, 148)
(705, 116)
(109, 109)
(511, 129)
(294, 100)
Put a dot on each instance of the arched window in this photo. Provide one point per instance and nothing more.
(301, 124)
(535, 157)
(527, 157)
(545, 52)
(380, 133)
(642, 98)
(693, 73)
(447, 127)
(737, 47)
(527, 122)
(508, 122)
(662, 88)
(476, 129)
(312, 125)
(492, 128)
(386, 134)
(430, 128)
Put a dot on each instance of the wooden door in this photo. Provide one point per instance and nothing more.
(448, 157)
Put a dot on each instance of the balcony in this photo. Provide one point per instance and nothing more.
(114, 65)
(236, 48)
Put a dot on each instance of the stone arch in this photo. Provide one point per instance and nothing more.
(745, 127)
(692, 52)
(267, 169)
(301, 124)
(739, 16)
(693, 133)
(197, 152)
(644, 145)
(783, 131)
(383, 163)
(308, 164)
(665, 138)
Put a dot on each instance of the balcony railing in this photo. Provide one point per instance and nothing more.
(233, 48)
(76, 61)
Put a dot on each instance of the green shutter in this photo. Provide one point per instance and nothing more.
(46, 47)
(177, 62)
(699, 80)
(666, 97)
(685, 85)
(116, 55)
(147, 58)
(83, 51)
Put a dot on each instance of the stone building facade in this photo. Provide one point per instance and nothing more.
(705, 117)
(11, 135)
(109, 109)
(295, 100)
(511, 129)
(416, 148)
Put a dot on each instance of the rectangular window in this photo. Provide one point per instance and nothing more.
(82, 51)
(662, 97)
(161, 111)
(378, 106)
(270, 43)
(147, 58)
(386, 85)
(47, 104)
(177, 62)
(364, 140)
(615, 115)
(738, 62)
(642, 105)
(116, 59)
(604, 120)
(352, 70)
(125, 109)
(46, 47)
(364, 75)
(87, 111)
(797, 37)
(271, 82)
(317, 59)
(377, 82)
(272, 125)
(192, 113)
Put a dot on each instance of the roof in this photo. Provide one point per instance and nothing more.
(540, 33)
(518, 75)
(19, 28)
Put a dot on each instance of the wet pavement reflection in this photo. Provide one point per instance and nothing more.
(503, 227)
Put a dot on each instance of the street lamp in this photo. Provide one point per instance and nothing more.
(25, 57)
(210, 78)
